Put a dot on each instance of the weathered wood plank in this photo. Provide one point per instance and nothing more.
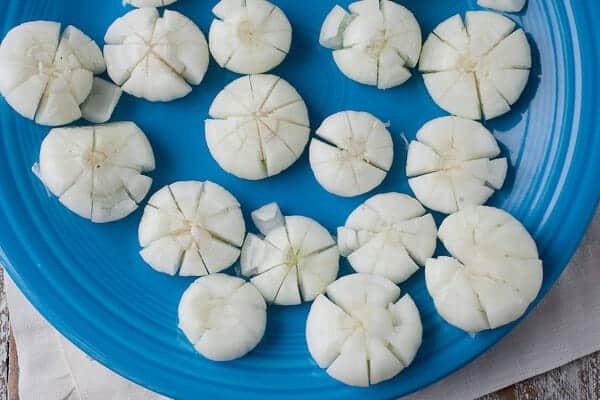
(4, 333)
(579, 380)
(13, 369)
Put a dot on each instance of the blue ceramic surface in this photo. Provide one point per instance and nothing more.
(90, 283)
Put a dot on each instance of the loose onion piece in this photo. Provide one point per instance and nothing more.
(46, 77)
(452, 164)
(375, 44)
(101, 102)
(222, 316)
(260, 126)
(503, 5)
(97, 171)
(191, 229)
(477, 69)
(155, 58)
(363, 332)
(250, 36)
(293, 263)
(268, 218)
(332, 30)
(354, 155)
(495, 273)
(149, 3)
(389, 235)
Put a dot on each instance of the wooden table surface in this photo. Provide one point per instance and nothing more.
(579, 380)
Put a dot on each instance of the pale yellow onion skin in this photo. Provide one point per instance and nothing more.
(454, 163)
(98, 171)
(389, 235)
(191, 228)
(375, 44)
(223, 317)
(293, 263)
(157, 58)
(259, 127)
(503, 5)
(250, 37)
(351, 153)
(477, 69)
(362, 332)
(46, 76)
(494, 274)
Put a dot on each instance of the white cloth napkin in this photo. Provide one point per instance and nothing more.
(52, 368)
(565, 327)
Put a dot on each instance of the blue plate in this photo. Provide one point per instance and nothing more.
(90, 283)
